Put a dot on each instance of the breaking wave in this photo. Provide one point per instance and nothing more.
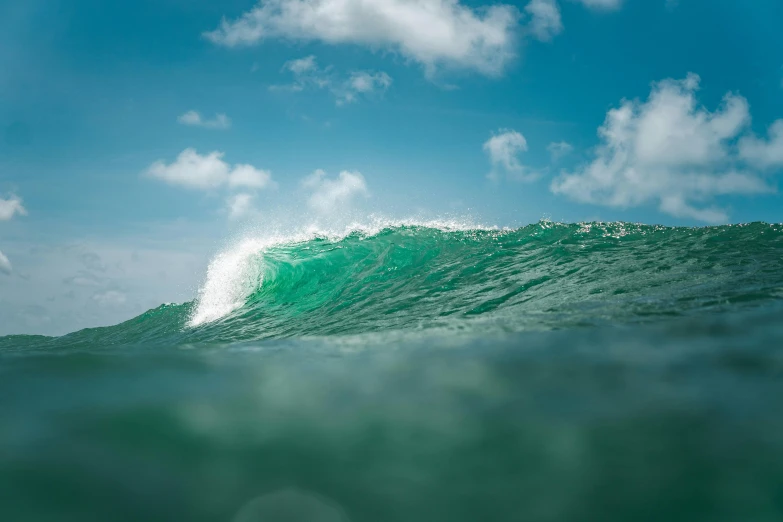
(411, 277)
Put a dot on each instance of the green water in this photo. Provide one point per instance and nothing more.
(591, 372)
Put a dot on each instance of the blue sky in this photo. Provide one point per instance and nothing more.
(137, 137)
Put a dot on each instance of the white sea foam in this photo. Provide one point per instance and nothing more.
(237, 271)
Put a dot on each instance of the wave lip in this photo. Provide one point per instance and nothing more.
(231, 277)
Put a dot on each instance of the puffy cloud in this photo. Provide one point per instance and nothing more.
(247, 176)
(503, 150)
(307, 74)
(192, 170)
(8, 209)
(302, 65)
(364, 83)
(329, 194)
(559, 150)
(667, 150)
(545, 22)
(240, 205)
(193, 118)
(5, 265)
(434, 33)
(764, 153)
(11, 207)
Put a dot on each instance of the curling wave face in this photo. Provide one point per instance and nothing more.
(541, 276)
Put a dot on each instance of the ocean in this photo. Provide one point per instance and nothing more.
(421, 371)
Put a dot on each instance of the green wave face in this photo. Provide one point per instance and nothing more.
(542, 276)
(409, 278)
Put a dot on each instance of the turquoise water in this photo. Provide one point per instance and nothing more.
(556, 372)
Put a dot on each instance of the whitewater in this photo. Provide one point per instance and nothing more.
(421, 370)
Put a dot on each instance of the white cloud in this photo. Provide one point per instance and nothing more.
(764, 153)
(247, 176)
(545, 22)
(366, 82)
(559, 150)
(601, 4)
(434, 33)
(5, 265)
(667, 150)
(362, 83)
(503, 150)
(307, 74)
(302, 65)
(221, 121)
(240, 205)
(8, 209)
(330, 194)
(192, 170)
(11, 207)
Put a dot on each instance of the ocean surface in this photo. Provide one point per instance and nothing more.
(421, 372)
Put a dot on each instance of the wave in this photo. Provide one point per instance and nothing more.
(451, 275)
(414, 276)
(236, 273)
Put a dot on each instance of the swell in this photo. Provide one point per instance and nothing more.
(409, 278)
(547, 275)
